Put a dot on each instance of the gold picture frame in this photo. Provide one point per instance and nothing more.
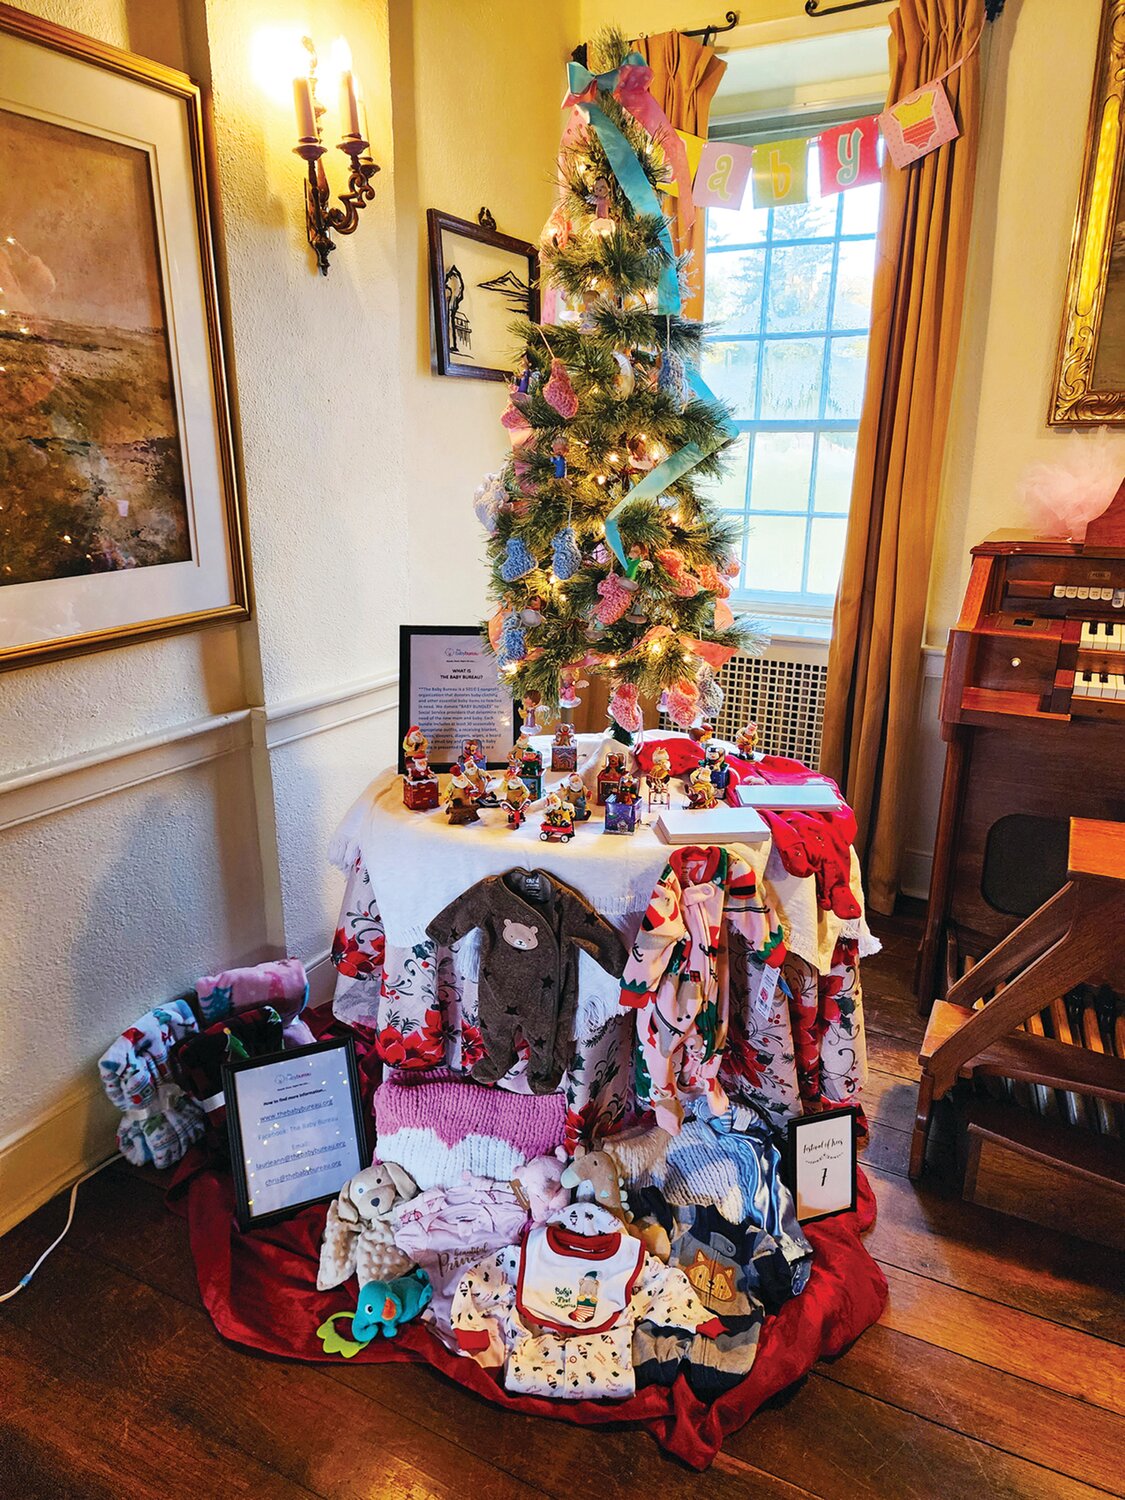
(1090, 370)
(136, 410)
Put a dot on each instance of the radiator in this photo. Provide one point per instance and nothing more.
(783, 693)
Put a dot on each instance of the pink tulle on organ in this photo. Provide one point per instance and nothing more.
(1062, 498)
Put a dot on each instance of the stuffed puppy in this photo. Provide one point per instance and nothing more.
(358, 1238)
(387, 1305)
(537, 1184)
(594, 1176)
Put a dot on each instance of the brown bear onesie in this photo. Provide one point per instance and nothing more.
(532, 927)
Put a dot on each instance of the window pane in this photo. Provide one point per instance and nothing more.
(847, 366)
(835, 461)
(826, 552)
(735, 279)
(815, 220)
(797, 299)
(782, 466)
(729, 490)
(746, 227)
(775, 547)
(791, 374)
(731, 370)
(853, 284)
(861, 209)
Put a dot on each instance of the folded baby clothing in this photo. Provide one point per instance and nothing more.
(281, 983)
(197, 1062)
(532, 930)
(448, 1230)
(159, 1122)
(440, 1128)
(559, 1309)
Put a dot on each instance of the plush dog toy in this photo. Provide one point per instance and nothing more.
(358, 1238)
(537, 1184)
(387, 1305)
(593, 1176)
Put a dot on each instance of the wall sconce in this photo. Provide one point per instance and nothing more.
(321, 220)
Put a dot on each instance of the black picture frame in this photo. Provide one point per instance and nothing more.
(357, 1150)
(497, 736)
(449, 359)
(810, 1124)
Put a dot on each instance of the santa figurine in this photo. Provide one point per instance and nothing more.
(415, 748)
(701, 790)
(747, 740)
(515, 797)
(460, 803)
(659, 775)
(478, 782)
(574, 790)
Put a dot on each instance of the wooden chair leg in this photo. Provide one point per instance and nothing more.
(921, 1132)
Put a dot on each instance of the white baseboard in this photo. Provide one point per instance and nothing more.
(917, 865)
(47, 1155)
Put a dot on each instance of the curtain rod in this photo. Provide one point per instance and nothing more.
(992, 8)
(708, 34)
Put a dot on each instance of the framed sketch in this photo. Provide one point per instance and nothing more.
(480, 283)
(295, 1121)
(1090, 370)
(822, 1164)
(449, 686)
(120, 516)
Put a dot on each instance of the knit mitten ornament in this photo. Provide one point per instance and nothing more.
(513, 642)
(616, 596)
(490, 499)
(624, 707)
(565, 554)
(518, 561)
(681, 702)
(559, 393)
(673, 375)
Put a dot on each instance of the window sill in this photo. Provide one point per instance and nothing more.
(782, 624)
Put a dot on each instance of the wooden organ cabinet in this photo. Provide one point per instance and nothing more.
(1033, 715)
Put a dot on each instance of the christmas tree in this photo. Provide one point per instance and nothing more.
(607, 555)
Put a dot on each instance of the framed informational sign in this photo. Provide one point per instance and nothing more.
(296, 1128)
(822, 1164)
(449, 686)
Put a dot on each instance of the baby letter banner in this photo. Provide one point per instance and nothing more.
(722, 175)
(781, 172)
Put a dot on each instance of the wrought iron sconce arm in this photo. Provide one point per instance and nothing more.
(322, 219)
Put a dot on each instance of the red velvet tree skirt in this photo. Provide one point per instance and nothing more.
(260, 1290)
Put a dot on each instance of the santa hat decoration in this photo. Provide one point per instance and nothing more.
(681, 702)
(559, 393)
(624, 708)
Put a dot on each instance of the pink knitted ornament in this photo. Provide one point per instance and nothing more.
(624, 707)
(520, 430)
(559, 393)
(681, 702)
(684, 584)
(714, 582)
(616, 595)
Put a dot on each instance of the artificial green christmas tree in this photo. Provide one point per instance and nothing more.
(607, 556)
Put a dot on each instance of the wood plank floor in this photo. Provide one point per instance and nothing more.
(998, 1369)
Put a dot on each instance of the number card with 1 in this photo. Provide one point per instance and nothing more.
(822, 1164)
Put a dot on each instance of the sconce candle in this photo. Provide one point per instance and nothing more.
(306, 114)
(349, 105)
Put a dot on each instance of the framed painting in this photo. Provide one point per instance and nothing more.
(119, 517)
(480, 283)
(1090, 369)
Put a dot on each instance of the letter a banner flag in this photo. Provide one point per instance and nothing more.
(781, 172)
(722, 174)
(849, 156)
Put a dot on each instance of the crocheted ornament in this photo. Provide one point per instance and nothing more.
(684, 584)
(625, 376)
(681, 702)
(559, 393)
(623, 706)
(518, 561)
(513, 642)
(673, 375)
(490, 499)
(710, 693)
(616, 596)
(566, 558)
(520, 430)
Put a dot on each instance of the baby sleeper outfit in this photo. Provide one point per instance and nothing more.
(559, 1309)
(532, 928)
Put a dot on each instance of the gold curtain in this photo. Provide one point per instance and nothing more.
(685, 75)
(874, 665)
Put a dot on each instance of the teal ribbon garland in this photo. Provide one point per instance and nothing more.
(674, 467)
(640, 193)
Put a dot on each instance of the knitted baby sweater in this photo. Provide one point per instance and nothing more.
(532, 928)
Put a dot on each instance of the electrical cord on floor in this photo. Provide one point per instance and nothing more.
(25, 1280)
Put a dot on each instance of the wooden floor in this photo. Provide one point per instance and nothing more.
(998, 1369)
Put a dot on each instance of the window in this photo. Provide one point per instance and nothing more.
(788, 301)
